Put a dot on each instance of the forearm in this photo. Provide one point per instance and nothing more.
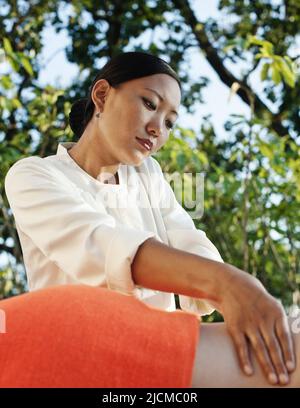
(160, 267)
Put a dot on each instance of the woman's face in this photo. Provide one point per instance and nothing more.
(135, 110)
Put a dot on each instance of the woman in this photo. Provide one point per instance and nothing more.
(100, 213)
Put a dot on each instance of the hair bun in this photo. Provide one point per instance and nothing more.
(76, 116)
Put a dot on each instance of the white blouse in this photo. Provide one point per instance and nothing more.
(75, 229)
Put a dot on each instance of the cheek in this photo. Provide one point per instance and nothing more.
(134, 119)
(138, 109)
(119, 122)
(126, 122)
(162, 141)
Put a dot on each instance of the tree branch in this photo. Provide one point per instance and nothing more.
(224, 74)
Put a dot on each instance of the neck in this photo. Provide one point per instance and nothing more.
(89, 156)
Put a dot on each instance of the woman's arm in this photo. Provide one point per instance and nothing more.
(250, 312)
(160, 267)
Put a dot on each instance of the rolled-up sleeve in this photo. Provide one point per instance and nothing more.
(87, 244)
(182, 234)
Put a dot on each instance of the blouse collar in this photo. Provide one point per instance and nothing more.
(62, 150)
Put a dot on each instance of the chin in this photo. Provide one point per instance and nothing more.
(137, 163)
(136, 160)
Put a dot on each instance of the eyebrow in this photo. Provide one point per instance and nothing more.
(161, 98)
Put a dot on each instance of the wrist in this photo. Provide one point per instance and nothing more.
(210, 278)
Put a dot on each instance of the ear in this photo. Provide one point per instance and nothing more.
(99, 93)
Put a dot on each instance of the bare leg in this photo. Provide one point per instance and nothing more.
(216, 363)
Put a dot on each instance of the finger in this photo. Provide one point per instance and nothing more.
(262, 355)
(283, 332)
(242, 348)
(275, 353)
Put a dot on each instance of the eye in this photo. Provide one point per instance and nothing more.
(169, 124)
(149, 104)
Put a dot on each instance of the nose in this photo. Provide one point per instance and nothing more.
(154, 128)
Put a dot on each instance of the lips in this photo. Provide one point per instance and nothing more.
(146, 143)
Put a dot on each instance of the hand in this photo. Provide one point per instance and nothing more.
(253, 315)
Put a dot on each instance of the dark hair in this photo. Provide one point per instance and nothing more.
(120, 68)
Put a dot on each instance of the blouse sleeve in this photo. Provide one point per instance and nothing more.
(182, 234)
(85, 243)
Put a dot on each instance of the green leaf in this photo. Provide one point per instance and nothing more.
(252, 40)
(264, 71)
(289, 62)
(7, 46)
(181, 160)
(276, 77)
(203, 157)
(26, 64)
(233, 157)
(259, 55)
(268, 47)
(16, 103)
(2, 55)
(14, 62)
(266, 151)
(6, 82)
(288, 75)
(199, 27)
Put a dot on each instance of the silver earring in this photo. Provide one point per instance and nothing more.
(98, 114)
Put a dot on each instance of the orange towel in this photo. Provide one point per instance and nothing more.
(81, 336)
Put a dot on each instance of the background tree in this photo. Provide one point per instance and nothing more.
(252, 181)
